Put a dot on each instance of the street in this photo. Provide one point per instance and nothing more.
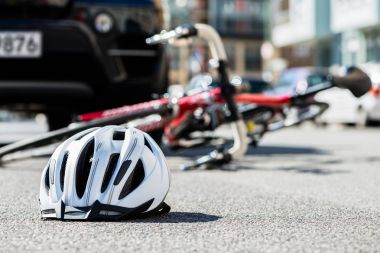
(303, 189)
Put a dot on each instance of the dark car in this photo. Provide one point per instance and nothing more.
(256, 85)
(70, 56)
(203, 81)
(298, 80)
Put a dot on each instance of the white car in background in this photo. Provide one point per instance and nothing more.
(346, 109)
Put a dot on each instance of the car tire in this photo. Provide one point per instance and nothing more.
(162, 81)
(57, 120)
(373, 123)
(157, 135)
(361, 118)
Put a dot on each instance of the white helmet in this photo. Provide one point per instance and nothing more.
(105, 173)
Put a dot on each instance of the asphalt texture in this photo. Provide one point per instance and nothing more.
(303, 189)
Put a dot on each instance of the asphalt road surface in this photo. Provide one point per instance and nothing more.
(304, 189)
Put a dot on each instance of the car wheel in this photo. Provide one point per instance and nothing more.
(57, 120)
(157, 135)
(162, 83)
(361, 118)
(373, 123)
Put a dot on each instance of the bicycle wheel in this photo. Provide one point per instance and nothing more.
(296, 114)
(60, 134)
(256, 119)
(257, 114)
(261, 119)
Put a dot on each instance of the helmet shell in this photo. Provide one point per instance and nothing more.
(104, 173)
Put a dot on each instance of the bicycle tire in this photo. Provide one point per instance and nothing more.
(256, 119)
(259, 114)
(58, 135)
(311, 111)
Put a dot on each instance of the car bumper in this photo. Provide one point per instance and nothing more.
(75, 65)
(69, 49)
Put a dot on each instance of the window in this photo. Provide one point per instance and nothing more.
(252, 59)
(373, 46)
(231, 56)
(174, 58)
(284, 5)
(239, 17)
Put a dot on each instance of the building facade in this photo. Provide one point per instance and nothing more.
(301, 31)
(356, 28)
(241, 24)
(185, 60)
(326, 32)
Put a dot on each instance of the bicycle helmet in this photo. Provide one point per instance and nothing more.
(105, 173)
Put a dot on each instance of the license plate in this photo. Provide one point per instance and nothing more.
(20, 44)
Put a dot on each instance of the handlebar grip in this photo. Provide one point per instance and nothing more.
(180, 32)
(356, 81)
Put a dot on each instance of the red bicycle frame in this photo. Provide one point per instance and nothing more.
(188, 104)
(184, 106)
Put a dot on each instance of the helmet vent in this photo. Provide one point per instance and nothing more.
(147, 144)
(134, 180)
(47, 184)
(118, 136)
(123, 169)
(63, 169)
(84, 167)
(110, 170)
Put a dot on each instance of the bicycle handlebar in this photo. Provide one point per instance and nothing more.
(202, 31)
(180, 32)
(355, 80)
(218, 52)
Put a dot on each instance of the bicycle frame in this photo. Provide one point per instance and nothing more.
(182, 106)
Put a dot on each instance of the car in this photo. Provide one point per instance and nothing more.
(203, 81)
(297, 80)
(63, 57)
(289, 82)
(346, 109)
(252, 84)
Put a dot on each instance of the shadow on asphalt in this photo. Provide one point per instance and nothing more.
(311, 167)
(305, 169)
(315, 171)
(285, 150)
(179, 217)
(259, 151)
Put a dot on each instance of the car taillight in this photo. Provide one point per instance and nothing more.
(375, 91)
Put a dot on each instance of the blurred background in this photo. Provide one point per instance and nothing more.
(59, 58)
(263, 35)
(284, 41)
